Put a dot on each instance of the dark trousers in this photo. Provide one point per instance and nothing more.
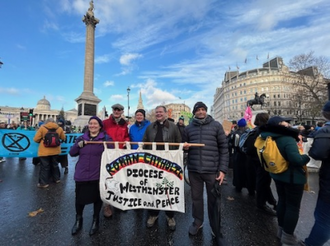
(154, 213)
(48, 168)
(320, 233)
(97, 208)
(264, 192)
(289, 199)
(197, 181)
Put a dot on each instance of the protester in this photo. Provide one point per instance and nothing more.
(63, 159)
(87, 173)
(263, 179)
(25, 127)
(290, 183)
(206, 164)
(116, 127)
(181, 125)
(136, 131)
(243, 177)
(320, 150)
(48, 155)
(162, 130)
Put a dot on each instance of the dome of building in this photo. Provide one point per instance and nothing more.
(43, 104)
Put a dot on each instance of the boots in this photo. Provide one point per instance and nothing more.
(95, 226)
(78, 225)
(289, 239)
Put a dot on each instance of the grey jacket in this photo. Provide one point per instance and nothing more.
(214, 156)
(171, 134)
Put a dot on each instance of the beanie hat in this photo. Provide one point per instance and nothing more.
(241, 122)
(142, 111)
(326, 107)
(98, 120)
(199, 105)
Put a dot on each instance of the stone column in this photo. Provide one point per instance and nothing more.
(87, 101)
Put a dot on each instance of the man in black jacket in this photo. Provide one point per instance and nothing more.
(320, 150)
(206, 164)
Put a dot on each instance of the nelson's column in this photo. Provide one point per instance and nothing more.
(87, 101)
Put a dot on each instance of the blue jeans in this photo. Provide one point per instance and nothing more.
(320, 233)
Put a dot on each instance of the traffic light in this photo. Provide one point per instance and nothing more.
(31, 112)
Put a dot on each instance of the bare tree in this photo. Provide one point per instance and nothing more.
(310, 82)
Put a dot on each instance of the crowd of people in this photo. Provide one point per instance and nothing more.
(206, 166)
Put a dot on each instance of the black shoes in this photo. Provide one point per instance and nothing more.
(95, 227)
(66, 170)
(194, 228)
(78, 225)
(268, 210)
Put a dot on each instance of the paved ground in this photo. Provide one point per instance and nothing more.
(19, 195)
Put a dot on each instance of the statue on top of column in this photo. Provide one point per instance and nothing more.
(91, 8)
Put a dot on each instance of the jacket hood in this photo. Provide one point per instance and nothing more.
(277, 131)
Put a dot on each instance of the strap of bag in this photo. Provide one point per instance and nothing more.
(263, 162)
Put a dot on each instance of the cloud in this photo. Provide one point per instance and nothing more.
(102, 59)
(108, 83)
(115, 98)
(126, 59)
(11, 91)
(74, 37)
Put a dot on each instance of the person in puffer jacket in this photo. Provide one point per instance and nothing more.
(207, 164)
(320, 150)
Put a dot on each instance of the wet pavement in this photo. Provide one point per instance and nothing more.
(242, 223)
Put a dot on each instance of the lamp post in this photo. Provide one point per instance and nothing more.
(128, 90)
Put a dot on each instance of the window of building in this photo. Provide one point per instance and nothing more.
(279, 103)
(278, 96)
(274, 103)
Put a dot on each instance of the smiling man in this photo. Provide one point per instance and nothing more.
(116, 128)
(206, 164)
(162, 130)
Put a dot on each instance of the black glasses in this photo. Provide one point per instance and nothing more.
(117, 109)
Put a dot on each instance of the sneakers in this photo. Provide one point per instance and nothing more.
(58, 181)
(2, 160)
(268, 210)
(151, 221)
(171, 223)
(107, 211)
(194, 228)
(290, 239)
(42, 186)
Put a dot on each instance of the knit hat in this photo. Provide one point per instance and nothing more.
(199, 105)
(98, 120)
(275, 120)
(241, 122)
(142, 111)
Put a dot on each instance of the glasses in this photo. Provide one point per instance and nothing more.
(116, 109)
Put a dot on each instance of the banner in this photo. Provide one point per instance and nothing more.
(19, 143)
(150, 179)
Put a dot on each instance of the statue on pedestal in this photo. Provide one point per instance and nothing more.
(257, 100)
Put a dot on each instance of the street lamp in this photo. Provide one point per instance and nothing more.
(128, 90)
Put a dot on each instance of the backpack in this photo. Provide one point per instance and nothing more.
(51, 139)
(269, 155)
(245, 141)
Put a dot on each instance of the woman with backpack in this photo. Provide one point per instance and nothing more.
(290, 183)
(87, 172)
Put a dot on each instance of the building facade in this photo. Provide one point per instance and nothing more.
(274, 80)
(41, 112)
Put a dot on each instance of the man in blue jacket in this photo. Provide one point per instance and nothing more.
(320, 150)
(206, 164)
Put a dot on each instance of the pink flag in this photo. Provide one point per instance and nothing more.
(248, 116)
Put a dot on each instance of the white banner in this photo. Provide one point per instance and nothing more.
(150, 179)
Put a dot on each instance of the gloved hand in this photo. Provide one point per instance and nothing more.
(81, 144)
